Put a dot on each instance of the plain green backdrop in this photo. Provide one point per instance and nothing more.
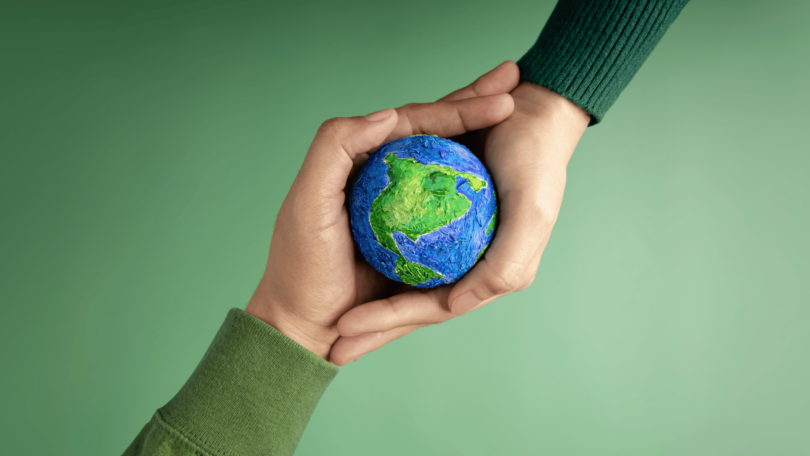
(147, 146)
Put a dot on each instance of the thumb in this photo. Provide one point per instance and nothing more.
(510, 264)
(338, 141)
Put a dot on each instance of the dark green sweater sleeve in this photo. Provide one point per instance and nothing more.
(253, 393)
(590, 49)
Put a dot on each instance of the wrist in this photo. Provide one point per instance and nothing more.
(313, 337)
(537, 101)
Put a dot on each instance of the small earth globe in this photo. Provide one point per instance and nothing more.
(422, 210)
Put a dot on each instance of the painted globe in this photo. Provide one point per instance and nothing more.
(422, 210)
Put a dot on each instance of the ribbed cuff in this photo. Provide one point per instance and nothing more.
(253, 392)
(589, 50)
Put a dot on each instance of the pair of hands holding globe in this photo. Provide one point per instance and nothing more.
(320, 292)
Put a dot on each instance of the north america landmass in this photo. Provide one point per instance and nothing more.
(418, 200)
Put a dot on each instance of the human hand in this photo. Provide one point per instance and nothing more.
(527, 156)
(314, 274)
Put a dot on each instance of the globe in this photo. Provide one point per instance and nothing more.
(422, 210)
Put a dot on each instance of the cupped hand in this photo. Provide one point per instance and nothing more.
(527, 156)
(314, 273)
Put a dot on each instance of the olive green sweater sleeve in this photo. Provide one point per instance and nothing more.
(589, 50)
(252, 394)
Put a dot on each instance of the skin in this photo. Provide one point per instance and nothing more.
(318, 290)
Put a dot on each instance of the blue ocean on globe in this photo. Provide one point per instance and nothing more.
(423, 210)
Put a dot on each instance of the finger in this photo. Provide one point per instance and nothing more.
(406, 309)
(510, 264)
(330, 158)
(502, 79)
(347, 349)
(452, 117)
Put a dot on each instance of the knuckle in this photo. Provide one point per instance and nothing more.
(526, 282)
(545, 212)
(499, 283)
(331, 126)
(476, 87)
(406, 113)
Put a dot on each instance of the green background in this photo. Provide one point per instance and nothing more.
(147, 146)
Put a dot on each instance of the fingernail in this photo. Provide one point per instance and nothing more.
(379, 115)
(465, 303)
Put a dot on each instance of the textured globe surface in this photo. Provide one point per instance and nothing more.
(423, 210)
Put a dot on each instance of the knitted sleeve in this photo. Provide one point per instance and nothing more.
(590, 49)
(253, 393)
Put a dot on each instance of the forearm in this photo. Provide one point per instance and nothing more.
(253, 393)
(589, 50)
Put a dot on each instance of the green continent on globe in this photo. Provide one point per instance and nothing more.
(490, 227)
(418, 199)
(492, 222)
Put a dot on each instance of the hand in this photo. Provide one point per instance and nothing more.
(314, 274)
(527, 156)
